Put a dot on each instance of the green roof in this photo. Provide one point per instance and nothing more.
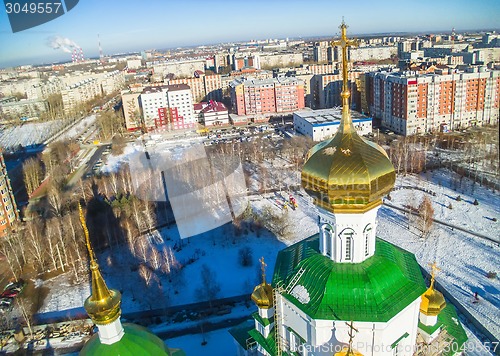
(137, 340)
(240, 332)
(268, 344)
(374, 290)
(452, 325)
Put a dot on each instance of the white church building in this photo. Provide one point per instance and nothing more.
(343, 291)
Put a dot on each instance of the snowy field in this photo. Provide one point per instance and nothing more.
(218, 342)
(28, 134)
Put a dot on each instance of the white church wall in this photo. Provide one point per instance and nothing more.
(348, 237)
(372, 338)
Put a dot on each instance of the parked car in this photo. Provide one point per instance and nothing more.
(9, 293)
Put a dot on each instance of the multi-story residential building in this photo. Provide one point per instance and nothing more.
(276, 95)
(179, 68)
(167, 107)
(322, 124)
(91, 87)
(410, 103)
(326, 89)
(320, 51)
(259, 60)
(8, 207)
(131, 110)
(23, 108)
(203, 87)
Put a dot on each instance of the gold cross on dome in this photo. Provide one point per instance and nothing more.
(351, 335)
(263, 269)
(344, 43)
(434, 269)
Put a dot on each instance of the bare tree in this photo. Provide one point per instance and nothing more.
(210, 288)
(32, 174)
(426, 215)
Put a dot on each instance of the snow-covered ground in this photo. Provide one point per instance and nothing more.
(218, 342)
(464, 259)
(29, 134)
(79, 128)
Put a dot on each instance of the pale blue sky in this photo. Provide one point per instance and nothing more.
(133, 25)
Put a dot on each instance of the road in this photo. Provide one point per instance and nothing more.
(87, 166)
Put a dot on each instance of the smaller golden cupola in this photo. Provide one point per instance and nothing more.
(262, 294)
(103, 305)
(432, 300)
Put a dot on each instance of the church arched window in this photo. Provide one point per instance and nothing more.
(346, 237)
(366, 236)
(328, 239)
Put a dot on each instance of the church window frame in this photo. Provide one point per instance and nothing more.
(366, 234)
(328, 234)
(347, 238)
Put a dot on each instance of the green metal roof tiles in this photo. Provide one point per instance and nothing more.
(240, 332)
(136, 341)
(374, 290)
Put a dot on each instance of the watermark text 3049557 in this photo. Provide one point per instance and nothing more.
(25, 14)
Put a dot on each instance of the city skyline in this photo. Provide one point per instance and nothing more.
(128, 26)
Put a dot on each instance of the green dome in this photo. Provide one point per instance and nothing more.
(374, 290)
(136, 341)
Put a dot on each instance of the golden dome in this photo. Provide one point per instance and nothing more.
(432, 302)
(347, 173)
(262, 295)
(103, 305)
(347, 351)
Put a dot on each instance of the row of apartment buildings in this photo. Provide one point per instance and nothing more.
(411, 103)
(94, 86)
(406, 102)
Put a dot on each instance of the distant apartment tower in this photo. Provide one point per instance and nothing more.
(410, 103)
(8, 207)
(262, 96)
(320, 52)
(326, 89)
(203, 87)
(167, 107)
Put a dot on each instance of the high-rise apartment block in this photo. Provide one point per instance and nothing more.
(8, 207)
(167, 107)
(410, 103)
(276, 95)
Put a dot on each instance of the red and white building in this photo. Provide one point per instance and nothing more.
(212, 113)
(167, 107)
(410, 103)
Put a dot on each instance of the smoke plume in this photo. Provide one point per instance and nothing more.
(65, 44)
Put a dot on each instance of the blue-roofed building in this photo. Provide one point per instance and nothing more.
(323, 124)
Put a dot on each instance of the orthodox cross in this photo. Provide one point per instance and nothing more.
(434, 269)
(263, 269)
(351, 336)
